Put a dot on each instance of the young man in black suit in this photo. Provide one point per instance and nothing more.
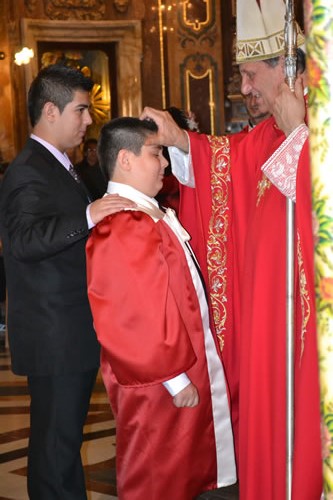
(44, 224)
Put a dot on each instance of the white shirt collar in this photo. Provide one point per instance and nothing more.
(130, 192)
(61, 157)
(144, 203)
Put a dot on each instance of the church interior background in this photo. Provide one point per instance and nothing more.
(158, 53)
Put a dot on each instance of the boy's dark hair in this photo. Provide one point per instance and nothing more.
(55, 83)
(122, 133)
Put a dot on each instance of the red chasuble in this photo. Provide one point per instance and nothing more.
(147, 318)
(237, 220)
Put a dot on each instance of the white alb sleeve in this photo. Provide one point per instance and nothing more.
(181, 165)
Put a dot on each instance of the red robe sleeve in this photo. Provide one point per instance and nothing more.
(136, 315)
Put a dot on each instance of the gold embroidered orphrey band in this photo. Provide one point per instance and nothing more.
(217, 232)
(304, 294)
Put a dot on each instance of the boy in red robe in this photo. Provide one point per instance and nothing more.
(160, 363)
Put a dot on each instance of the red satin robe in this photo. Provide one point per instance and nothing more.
(237, 223)
(147, 318)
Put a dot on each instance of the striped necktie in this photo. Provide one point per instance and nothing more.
(74, 173)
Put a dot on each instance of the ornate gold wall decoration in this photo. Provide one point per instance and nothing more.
(197, 23)
(188, 38)
(121, 5)
(199, 93)
(162, 54)
(75, 9)
(30, 6)
(196, 16)
(100, 107)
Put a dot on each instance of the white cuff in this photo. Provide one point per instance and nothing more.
(89, 220)
(177, 384)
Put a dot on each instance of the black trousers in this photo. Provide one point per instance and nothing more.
(58, 410)
(226, 493)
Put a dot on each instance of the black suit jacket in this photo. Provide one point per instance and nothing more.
(44, 230)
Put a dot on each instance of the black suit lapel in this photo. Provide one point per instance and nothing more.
(61, 170)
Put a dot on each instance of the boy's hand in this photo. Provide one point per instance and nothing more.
(188, 397)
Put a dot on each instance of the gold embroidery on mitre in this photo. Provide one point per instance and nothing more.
(260, 48)
(217, 232)
(304, 294)
(262, 187)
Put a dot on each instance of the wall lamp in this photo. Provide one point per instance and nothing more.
(2, 56)
(24, 56)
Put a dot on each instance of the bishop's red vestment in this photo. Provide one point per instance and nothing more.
(237, 220)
